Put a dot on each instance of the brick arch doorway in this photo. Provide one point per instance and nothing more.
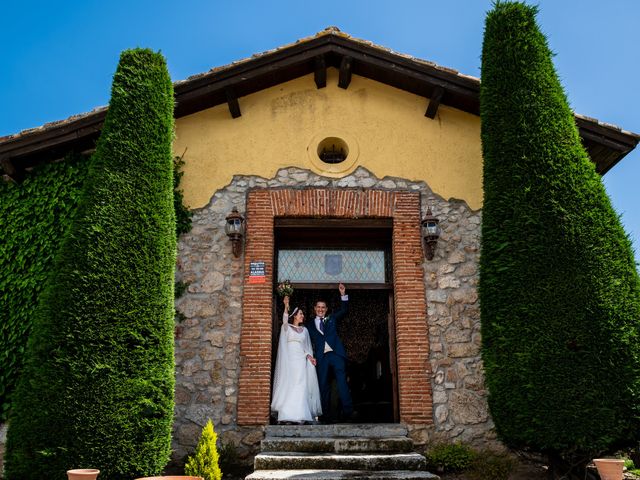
(402, 209)
(317, 253)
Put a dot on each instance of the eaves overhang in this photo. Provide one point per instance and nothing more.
(606, 144)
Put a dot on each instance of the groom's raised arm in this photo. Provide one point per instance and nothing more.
(344, 304)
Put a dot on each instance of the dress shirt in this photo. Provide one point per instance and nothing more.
(327, 348)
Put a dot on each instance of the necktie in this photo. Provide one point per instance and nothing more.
(321, 324)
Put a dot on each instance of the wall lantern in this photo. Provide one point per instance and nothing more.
(234, 229)
(431, 233)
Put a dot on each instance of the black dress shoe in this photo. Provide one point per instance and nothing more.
(352, 417)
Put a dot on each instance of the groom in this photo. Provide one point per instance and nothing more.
(330, 353)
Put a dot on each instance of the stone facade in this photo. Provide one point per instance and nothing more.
(208, 340)
(459, 395)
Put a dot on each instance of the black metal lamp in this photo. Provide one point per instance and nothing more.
(234, 229)
(431, 233)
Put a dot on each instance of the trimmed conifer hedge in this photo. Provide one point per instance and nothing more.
(97, 388)
(559, 291)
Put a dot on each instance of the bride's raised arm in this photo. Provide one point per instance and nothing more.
(285, 315)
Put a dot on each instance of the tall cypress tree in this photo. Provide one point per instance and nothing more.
(559, 290)
(97, 387)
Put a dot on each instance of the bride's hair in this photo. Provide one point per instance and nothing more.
(294, 313)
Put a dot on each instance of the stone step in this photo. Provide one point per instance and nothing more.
(336, 445)
(354, 461)
(366, 430)
(341, 475)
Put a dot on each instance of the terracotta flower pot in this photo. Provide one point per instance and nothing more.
(609, 468)
(83, 474)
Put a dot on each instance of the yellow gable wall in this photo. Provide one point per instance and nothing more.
(384, 127)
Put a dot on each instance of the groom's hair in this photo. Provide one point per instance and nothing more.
(320, 300)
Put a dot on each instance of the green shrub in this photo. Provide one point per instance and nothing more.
(183, 214)
(559, 291)
(204, 462)
(490, 465)
(449, 457)
(34, 218)
(178, 290)
(97, 386)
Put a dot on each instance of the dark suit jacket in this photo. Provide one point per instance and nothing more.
(330, 333)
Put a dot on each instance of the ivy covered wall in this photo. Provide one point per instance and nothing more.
(34, 217)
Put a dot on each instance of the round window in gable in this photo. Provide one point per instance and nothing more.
(333, 150)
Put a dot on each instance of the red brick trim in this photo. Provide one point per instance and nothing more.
(412, 341)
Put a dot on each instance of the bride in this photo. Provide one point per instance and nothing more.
(296, 395)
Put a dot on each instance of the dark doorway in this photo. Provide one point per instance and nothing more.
(365, 335)
(368, 330)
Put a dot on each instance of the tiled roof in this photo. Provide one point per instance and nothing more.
(274, 66)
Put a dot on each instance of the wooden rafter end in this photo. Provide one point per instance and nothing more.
(434, 102)
(344, 78)
(232, 101)
(10, 173)
(320, 72)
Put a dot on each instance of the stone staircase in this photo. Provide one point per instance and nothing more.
(333, 452)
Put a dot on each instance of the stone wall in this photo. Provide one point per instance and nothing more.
(451, 278)
(207, 341)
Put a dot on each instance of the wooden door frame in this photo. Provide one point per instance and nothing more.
(365, 227)
(393, 360)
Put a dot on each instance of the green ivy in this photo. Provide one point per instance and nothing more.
(34, 217)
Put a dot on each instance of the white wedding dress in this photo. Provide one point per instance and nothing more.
(296, 395)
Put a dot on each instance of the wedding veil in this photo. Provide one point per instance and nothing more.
(281, 376)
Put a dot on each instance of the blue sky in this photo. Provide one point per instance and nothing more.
(57, 58)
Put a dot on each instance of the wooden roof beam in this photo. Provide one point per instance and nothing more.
(345, 72)
(320, 72)
(10, 171)
(232, 101)
(434, 102)
(281, 65)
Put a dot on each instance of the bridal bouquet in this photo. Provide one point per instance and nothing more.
(285, 289)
